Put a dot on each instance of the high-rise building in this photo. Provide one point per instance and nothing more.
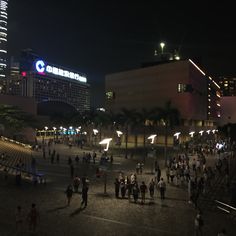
(3, 38)
(54, 88)
(227, 86)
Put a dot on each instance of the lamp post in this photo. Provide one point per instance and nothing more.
(105, 141)
(162, 47)
(46, 128)
(152, 138)
(95, 132)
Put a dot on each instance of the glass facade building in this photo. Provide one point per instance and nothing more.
(3, 37)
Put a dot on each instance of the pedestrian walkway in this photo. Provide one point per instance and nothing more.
(104, 215)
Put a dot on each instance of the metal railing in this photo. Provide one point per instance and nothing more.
(225, 207)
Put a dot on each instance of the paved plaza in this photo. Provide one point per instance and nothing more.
(104, 215)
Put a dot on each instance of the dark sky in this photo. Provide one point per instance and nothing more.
(98, 37)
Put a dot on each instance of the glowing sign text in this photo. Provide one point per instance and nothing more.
(41, 67)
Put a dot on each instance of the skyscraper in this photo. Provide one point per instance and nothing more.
(3, 38)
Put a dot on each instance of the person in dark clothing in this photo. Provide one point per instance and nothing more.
(58, 157)
(69, 161)
(135, 192)
(77, 159)
(122, 188)
(117, 187)
(143, 190)
(69, 193)
(72, 171)
(84, 195)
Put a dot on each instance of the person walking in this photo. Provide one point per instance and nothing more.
(72, 171)
(117, 187)
(76, 183)
(58, 158)
(84, 195)
(143, 190)
(33, 218)
(162, 187)
(198, 223)
(122, 188)
(19, 219)
(135, 192)
(151, 189)
(69, 193)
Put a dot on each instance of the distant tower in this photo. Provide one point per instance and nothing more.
(3, 38)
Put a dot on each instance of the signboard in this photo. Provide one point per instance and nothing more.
(44, 68)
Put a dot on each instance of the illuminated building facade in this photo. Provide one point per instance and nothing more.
(50, 85)
(227, 86)
(195, 94)
(3, 43)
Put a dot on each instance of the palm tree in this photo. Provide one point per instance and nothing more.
(169, 117)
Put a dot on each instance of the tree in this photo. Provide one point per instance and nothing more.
(169, 117)
(14, 119)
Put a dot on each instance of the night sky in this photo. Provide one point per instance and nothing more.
(98, 37)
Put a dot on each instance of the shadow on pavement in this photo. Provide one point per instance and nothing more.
(77, 211)
(58, 208)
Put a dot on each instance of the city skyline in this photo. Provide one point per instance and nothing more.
(103, 37)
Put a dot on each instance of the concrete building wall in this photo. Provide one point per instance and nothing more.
(153, 86)
(228, 114)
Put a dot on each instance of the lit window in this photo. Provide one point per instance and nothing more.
(110, 95)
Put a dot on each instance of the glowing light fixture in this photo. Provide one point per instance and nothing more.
(107, 142)
(95, 131)
(201, 132)
(191, 133)
(152, 137)
(119, 133)
(177, 135)
(162, 46)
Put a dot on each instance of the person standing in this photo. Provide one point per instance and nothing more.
(84, 195)
(69, 193)
(33, 218)
(162, 187)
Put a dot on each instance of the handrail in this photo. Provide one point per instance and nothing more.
(16, 142)
(225, 207)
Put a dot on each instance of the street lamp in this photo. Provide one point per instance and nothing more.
(177, 134)
(152, 138)
(119, 133)
(191, 133)
(162, 47)
(107, 142)
(95, 131)
(208, 131)
(201, 132)
(46, 128)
